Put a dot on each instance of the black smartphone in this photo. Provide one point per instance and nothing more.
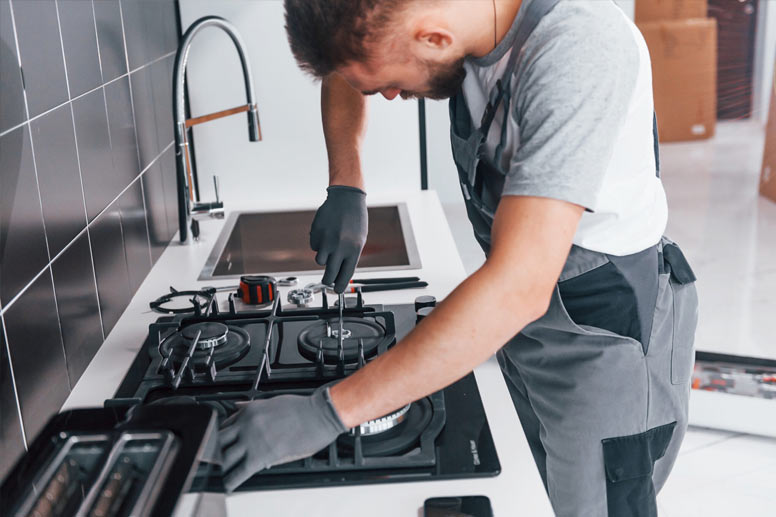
(466, 506)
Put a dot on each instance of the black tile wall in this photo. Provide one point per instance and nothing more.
(159, 233)
(111, 38)
(150, 27)
(40, 47)
(11, 94)
(145, 119)
(167, 166)
(22, 241)
(110, 265)
(94, 151)
(11, 442)
(37, 354)
(59, 180)
(79, 314)
(122, 133)
(87, 195)
(79, 38)
(135, 233)
(161, 84)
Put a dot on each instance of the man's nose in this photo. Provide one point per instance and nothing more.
(391, 93)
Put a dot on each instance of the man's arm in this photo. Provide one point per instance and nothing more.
(339, 229)
(343, 110)
(531, 239)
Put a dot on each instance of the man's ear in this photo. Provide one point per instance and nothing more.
(434, 39)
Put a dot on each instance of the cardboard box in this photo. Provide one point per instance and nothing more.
(768, 172)
(656, 10)
(684, 76)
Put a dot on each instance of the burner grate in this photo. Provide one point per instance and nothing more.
(294, 351)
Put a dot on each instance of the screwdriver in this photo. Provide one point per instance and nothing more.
(341, 300)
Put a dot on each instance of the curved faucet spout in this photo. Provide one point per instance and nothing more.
(182, 57)
(179, 111)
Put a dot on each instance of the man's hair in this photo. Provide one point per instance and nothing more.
(327, 34)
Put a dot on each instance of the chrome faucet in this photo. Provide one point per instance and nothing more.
(190, 208)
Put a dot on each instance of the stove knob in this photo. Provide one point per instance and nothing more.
(422, 313)
(424, 301)
(257, 289)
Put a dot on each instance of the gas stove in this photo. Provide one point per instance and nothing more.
(219, 353)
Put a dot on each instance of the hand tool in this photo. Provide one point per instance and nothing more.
(341, 335)
(388, 280)
(388, 286)
(257, 289)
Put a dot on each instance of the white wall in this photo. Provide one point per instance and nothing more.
(291, 160)
(442, 174)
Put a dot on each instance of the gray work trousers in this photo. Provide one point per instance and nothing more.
(605, 412)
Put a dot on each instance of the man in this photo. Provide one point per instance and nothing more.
(553, 136)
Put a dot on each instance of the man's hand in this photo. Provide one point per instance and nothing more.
(531, 240)
(273, 431)
(338, 234)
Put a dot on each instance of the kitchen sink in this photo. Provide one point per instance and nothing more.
(278, 244)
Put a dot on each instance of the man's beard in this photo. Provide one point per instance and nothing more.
(445, 81)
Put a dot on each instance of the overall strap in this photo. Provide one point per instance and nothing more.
(534, 13)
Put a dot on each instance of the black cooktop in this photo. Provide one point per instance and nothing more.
(219, 358)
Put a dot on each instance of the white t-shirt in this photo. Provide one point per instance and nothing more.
(580, 124)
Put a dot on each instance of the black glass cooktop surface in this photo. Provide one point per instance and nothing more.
(279, 242)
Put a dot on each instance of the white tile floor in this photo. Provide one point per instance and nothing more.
(728, 233)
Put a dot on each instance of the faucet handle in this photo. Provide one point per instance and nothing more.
(215, 186)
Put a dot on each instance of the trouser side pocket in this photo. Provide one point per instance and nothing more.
(628, 462)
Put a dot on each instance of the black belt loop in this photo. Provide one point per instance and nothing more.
(681, 271)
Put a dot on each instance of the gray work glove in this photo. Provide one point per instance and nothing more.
(273, 431)
(338, 234)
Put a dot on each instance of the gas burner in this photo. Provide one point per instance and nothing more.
(198, 301)
(322, 336)
(402, 434)
(219, 346)
(380, 425)
(211, 334)
(346, 333)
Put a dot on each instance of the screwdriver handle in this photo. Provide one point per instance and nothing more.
(389, 287)
(393, 280)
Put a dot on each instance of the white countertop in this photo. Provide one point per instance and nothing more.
(517, 490)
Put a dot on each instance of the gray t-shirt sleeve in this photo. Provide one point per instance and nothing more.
(571, 94)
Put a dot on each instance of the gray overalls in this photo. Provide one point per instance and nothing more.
(601, 382)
